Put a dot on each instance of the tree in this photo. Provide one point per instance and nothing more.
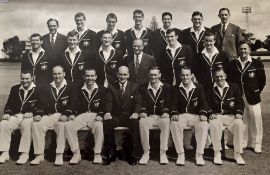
(13, 47)
(153, 24)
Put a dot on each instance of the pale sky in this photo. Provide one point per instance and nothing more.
(24, 17)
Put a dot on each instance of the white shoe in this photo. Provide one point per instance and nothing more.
(181, 159)
(257, 150)
(75, 158)
(199, 159)
(97, 159)
(4, 157)
(144, 159)
(238, 158)
(188, 147)
(58, 159)
(39, 158)
(217, 158)
(23, 159)
(163, 157)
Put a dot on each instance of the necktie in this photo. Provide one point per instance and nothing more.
(223, 30)
(122, 89)
(137, 63)
(52, 40)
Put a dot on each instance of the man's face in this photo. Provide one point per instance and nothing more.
(106, 39)
(154, 76)
(36, 42)
(220, 78)
(197, 21)
(137, 47)
(123, 75)
(90, 77)
(80, 21)
(167, 21)
(171, 38)
(138, 18)
(186, 76)
(244, 51)
(26, 80)
(72, 42)
(224, 16)
(53, 27)
(111, 22)
(58, 74)
(209, 42)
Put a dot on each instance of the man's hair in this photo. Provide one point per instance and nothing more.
(172, 30)
(73, 33)
(138, 11)
(207, 34)
(166, 14)
(27, 71)
(90, 69)
(244, 42)
(154, 68)
(196, 13)
(222, 9)
(186, 68)
(36, 35)
(137, 39)
(219, 69)
(111, 15)
(79, 14)
(58, 65)
(106, 32)
(52, 19)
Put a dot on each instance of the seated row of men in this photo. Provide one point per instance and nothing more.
(67, 109)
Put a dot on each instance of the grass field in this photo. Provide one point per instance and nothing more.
(255, 164)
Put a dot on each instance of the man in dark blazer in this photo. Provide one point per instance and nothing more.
(87, 37)
(122, 106)
(227, 108)
(139, 63)
(37, 61)
(249, 74)
(139, 32)
(22, 105)
(228, 35)
(119, 41)
(189, 108)
(54, 43)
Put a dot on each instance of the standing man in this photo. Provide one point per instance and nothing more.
(74, 60)
(118, 41)
(122, 106)
(107, 61)
(58, 107)
(227, 108)
(139, 63)
(228, 35)
(249, 74)
(155, 112)
(20, 108)
(54, 43)
(173, 59)
(139, 32)
(189, 108)
(90, 110)
(37, 61)
(193, 37)
(159, 36)
(87, 37)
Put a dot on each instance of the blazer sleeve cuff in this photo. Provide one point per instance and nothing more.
(165, 110)
(39, 112)
(8, 112)
(68, 112)
(143, 110)
(239, 112)
(174, 113)
(203, 112)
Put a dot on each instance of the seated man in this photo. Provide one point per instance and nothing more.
(122, 105)
(57, 105)
(155, 112)
(90, 109)
(227, 109)
(189, 108)
(19, 111)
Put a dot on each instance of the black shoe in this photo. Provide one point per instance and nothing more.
(120, 155)
(109, 159)
(132, 161)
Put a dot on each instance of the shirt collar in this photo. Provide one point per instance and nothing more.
(190, 87)
(139, 56)
(214, 52)
(125, 85)
(159, 85)
(64, 83)
(192, 29)
(142, 29)
(114, 31)
(225, 85)
(84, 29)
(111, 48)
(30, 87)
(54, 36)
(40, 50)
(248, 60)
(76, 51)
(178, 45)
(226, 25)
(95, 86)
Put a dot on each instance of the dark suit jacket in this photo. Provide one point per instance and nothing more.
(141, 76)
(56, 52)
(125, 106)
(251, 80)
(230, 42)
(87, 42)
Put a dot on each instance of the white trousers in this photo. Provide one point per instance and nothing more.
(8, 126)
(253, 125)
(201, 131)
(81, 121)
(40, 128)
(235, 126)
(154, 121)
